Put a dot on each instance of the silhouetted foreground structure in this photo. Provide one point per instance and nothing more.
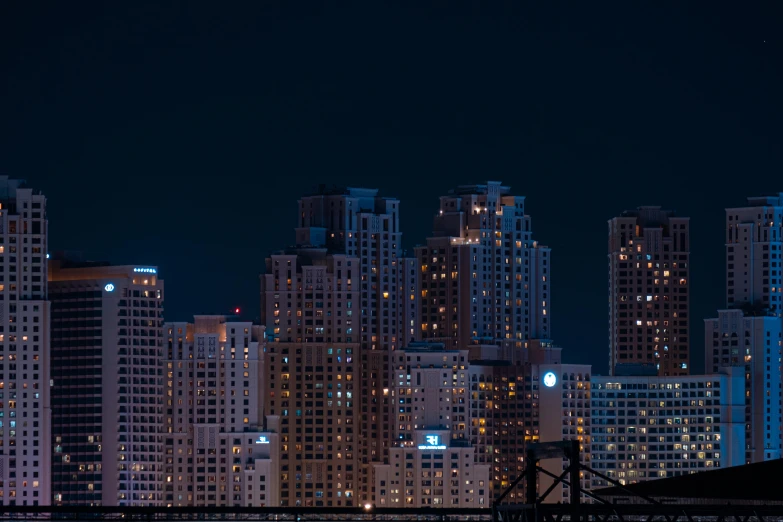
(752, 484)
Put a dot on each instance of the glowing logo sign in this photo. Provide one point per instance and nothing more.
(262, 440)
(109, 287)
(433, 443)
(550, 379)
(146, 270)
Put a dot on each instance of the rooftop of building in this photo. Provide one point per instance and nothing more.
(343, 190)
(490, 362)
(465, 190)
(775, 200)
(635, 370)
(751, 482)
(424, 346)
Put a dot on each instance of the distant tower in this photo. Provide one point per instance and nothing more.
(344, 283)
(754, 249)
(649, 282)
(751, 340)
(484, 280)
(25, 426)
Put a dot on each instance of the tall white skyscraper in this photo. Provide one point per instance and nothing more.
(754, 250)
(483, 279)
(25, 425)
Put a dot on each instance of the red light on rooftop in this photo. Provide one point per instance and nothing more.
(236, 310)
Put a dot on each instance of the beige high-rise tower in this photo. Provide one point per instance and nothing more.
(483, 279)
(649, 282)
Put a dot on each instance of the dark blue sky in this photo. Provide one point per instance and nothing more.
(182, 134)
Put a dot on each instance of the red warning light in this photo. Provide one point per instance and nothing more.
(236, 310)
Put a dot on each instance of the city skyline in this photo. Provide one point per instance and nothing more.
(562, 334)
(330, 302)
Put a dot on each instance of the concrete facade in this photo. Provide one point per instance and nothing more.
(483, 279)
(649, 269)
(221, 449)
(433, 460)
(752, 344)
(25, 426)
(646, 428)
(754, 249)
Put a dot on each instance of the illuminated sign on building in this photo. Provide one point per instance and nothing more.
(146, 270)
(109, 287)
(550, 379)
(262, 440)
(433, 443)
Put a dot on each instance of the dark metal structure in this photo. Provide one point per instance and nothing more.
(647, 509)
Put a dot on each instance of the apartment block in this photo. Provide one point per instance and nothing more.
(649, 276)
(483, 279)
(221, 449)
(648, 427)
(359, 223)
(107, 377)
(754, 249)
(433, 460)
(501, 421)
(25, 415)
(752, 343)
(310, 307)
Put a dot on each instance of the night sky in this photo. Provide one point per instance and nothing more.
(182, 134)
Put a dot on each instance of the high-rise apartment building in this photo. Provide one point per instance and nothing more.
(433, 461)
(501, 422)
(752, 344)
(108, 393)
(649, 282)
(360, 224)
(649, 427)
(25, 430)
(483, 279)
(310, 307)
(754, 249)
(221, 450)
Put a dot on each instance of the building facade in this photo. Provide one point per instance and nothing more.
(649, 276)
(483, 279)
(107, 375)
(310, 307)
(561, 397)
(501, 421)
(649, 427)
(221, 450)
(754, 249)
(25, 426)
(359, 223)
(433, 460)
(753, 344)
